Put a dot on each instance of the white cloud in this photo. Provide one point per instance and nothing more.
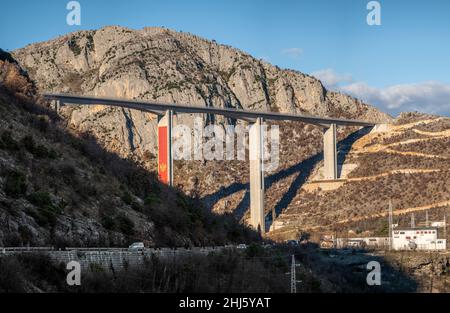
(332, 80)
(293, 52)
(428, 97)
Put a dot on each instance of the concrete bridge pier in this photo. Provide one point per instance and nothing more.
(330, 170)
(256, 151)
(57, 104)
(165, 157)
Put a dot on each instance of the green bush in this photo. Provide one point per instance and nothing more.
(125, 225)
(41, 152)
(254, 250)
(40, 199)
(38, 151)
(151, 199)
(8, 142)
(107, 222)
(137, 206)
(28, 143)
(48, 215)
(127, 198)
(120, 223)
(47, 212)
(15, 185)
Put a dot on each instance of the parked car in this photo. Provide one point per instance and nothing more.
(242, 246)
(137, 246)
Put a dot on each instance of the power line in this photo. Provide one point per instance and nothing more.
(390, 224)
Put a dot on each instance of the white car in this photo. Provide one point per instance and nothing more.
(137, 246)
(242, 246)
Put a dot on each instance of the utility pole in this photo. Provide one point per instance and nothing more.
(445, 227)
(293, 276)
(426, 218)
(390, 225)
(413, 223)
(294, 280)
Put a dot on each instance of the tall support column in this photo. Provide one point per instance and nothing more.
(330, 153)
(165, 158)
(56, 105)
(256, 149)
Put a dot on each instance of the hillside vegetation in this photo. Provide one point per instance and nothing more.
(60, 187)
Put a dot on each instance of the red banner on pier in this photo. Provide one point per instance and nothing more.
(163, 158)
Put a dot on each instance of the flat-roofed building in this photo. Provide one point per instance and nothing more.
(419, 238)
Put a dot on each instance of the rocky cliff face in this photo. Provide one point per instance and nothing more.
(157, 64)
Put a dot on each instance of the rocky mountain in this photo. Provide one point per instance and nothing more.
(161, 65)
(62, 188)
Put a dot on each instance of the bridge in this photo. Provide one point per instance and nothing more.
(165, 112)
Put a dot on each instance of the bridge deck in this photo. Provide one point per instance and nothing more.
(160, 108)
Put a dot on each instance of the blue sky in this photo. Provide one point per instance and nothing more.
(403, 64)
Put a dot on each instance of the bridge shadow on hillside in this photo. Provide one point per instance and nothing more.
(345, 145)
(302, 169)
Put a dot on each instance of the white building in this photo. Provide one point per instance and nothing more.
(421, 238)
(362, 242)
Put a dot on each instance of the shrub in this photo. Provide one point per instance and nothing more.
(47, 216)
(15, 185)
(136, 206)
(125, 225)
(15, 80)
(40, 199)
(254, 250)
(107, 222)
(26, 234)
(39, 151)
(41, 124)
(7, 141)
(120, 223)
(73, 45)
(127, 198)
(68, 172)
(151, 199)
(47, 212)
(28, 143)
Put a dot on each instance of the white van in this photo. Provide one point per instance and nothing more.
(137, 246)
